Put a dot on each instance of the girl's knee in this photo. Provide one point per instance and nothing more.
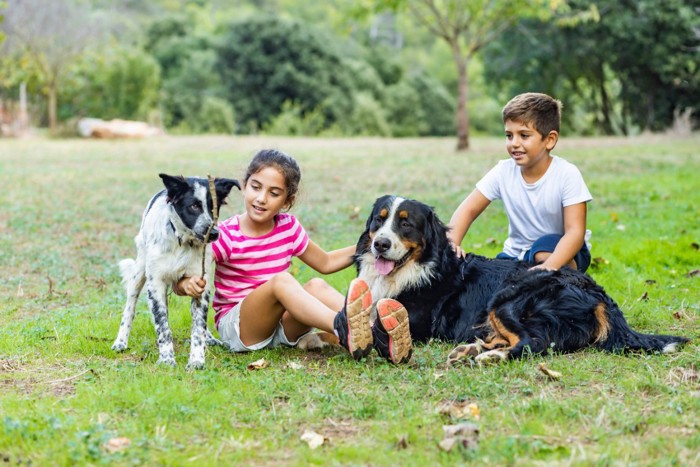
(316, 286)
(284, 279)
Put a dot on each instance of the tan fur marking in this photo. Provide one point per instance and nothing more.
(403, 214)
(601, 316)
(502, 331)
(384, 213)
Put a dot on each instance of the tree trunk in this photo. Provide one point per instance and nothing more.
(52, 105)
(462, 113)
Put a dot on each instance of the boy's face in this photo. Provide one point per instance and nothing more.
(527, 146)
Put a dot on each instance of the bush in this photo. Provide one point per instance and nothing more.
(120, 83)
(265, 62)
(292, 121)
(366, 119)
(437, 106)
(404, 110)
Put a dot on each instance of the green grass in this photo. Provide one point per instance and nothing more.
(70, 210)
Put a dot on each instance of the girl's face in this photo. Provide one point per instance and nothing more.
(265, 195)
(526, 145)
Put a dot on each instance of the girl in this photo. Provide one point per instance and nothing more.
(259, 304)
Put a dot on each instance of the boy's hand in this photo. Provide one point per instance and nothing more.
(543, 267)
(192, 286)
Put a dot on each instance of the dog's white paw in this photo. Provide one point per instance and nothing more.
(463, 353)
(492, 357)
(119, 346)
(194, 365)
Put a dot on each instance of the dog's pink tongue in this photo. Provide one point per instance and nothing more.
(384, 266)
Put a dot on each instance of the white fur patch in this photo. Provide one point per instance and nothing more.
(410, 274)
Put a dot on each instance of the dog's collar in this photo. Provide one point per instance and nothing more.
(172, 226)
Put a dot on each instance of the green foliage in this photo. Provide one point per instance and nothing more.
(293, 121)
(265, 62)
(193, 99)
(120, 83)
(436, 103)
(404, 110)
(367, 118)
(596, 71)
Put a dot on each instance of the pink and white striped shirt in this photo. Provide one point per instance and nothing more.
(244, 263)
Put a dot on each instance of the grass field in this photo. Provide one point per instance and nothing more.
(69, 211)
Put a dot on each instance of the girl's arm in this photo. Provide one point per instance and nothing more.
(572, 241)
(327, 262)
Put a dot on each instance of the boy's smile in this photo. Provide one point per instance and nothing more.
(529, 149)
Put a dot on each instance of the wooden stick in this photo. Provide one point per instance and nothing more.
(215, 212)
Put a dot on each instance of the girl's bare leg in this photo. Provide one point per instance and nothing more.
(262, 310)
(322, 291)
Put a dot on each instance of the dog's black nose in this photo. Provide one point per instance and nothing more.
(382, 244)
(214, 234)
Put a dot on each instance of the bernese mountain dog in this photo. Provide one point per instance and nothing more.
(495, 308)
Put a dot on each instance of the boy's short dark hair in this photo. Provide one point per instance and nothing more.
(536, 109)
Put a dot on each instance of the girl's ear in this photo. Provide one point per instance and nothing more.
(551, 139)
(288, 203)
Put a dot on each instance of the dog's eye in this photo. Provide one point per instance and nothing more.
(405, 225)
(196, 207)
(379, 220)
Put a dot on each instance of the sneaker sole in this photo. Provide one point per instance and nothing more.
(358, 309)
(394, 319)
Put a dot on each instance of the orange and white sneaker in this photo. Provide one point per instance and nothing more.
(392, 333)
(352, 324)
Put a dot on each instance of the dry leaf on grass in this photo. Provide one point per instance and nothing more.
(465, 435)
(458, 409)
(551, 374)
(295, 366)
(258, 364)
(117, 444)
(644, 297)
(693, 273)
(313, 439)
(683, 375)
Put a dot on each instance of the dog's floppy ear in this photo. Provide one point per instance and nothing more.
(223, 187)
(176, 186)
(436, 231)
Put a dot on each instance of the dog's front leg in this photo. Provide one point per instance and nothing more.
(198, 309)
(157, 302)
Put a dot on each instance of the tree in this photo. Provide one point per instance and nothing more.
(265, 62)
(466, 26)
(632, 65)
(52, 34)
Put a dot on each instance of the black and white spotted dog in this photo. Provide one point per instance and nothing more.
(497, 308)
(169, 246)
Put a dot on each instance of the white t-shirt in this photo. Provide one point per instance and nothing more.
(535, 209)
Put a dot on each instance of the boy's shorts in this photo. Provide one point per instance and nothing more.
(230, 332)
(548, 243)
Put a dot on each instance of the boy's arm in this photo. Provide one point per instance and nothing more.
(464, 215)
(327, 262)
(572, 241)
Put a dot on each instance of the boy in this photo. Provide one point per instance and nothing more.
(544, 196)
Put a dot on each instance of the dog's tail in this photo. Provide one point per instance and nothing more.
(622, 337)
(126, 268)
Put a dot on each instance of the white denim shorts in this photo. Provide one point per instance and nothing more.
(230, 333)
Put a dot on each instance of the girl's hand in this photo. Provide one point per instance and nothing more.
(457, 249)
(191, 286)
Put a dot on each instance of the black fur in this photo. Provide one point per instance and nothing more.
(498, 301)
